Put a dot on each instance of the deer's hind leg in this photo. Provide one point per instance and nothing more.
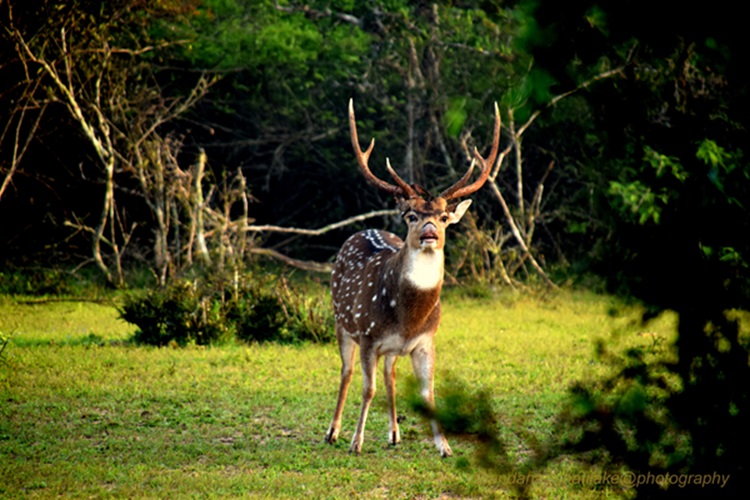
(347, 350)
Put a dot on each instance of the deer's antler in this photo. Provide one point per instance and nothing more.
(459, 189)
(402, 189)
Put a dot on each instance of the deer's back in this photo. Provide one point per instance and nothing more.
(360, 277)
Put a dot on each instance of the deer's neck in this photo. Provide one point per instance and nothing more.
(423, 269)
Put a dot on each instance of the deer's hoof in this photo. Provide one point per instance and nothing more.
(356, 448)
(394, 438)
(443, 447)
(332, 436)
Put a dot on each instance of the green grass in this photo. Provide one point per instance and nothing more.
(50, 321)
(83, 414)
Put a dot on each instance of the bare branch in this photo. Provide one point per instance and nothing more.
(317, 14)
(198, 206)
(536, 201)
(146, 49)
(518, 236)
(307, 265)
(177, 107)
(20, 146)
(324, 229)
(522, 225)
(70, 98)
(601, 76)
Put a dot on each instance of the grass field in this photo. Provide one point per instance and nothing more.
(85, 414)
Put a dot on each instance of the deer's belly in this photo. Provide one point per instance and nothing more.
(399, 346)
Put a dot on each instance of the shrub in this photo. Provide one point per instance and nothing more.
(272, 310)
(37, 281)
(180, 312)
(4, 341)
(214, 310)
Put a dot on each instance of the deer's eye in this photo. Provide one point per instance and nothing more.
(445, 219)
(412, 218)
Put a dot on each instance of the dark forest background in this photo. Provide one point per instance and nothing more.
(135, 131)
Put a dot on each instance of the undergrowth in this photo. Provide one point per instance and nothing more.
(209, 310)
(40, 281)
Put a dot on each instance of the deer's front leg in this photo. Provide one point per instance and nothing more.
(369, 360)
(394, 436)
(347, 349)
(423, 360)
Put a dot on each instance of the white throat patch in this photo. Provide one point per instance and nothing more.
(424, 270)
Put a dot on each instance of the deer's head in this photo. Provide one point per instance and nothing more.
(427, 217)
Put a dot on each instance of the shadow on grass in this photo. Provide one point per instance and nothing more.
(462, 411)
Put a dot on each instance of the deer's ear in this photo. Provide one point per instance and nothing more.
(458, 212)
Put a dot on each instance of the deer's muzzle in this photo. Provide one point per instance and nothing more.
(429, 234)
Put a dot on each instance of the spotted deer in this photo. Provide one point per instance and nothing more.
(386, 292)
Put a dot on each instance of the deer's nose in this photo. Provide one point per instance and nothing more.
(429, 232)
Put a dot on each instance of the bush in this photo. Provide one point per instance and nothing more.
(180, 312)
(39, 282)
(214, 310)
(4, 341)
(275, 311)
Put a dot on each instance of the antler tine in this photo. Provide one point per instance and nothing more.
(408, 191)
(403, 189)
(458, 190)
(448, 193)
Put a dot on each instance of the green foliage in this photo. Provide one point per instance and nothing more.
(680, 413)
(274, 311)
(532, 90)
(625, 413)
(4, 341)
(180, 313)
(259, 38)
(687, 253)
(462, 411)
(644, 200)
(597, 18)
(35, 282)
(639, 200)
(455, 117)
(647, 414)
(672, 202)
(210, 311)
(724, 166)
(40, 281)
(664, 164)
(247, 35)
